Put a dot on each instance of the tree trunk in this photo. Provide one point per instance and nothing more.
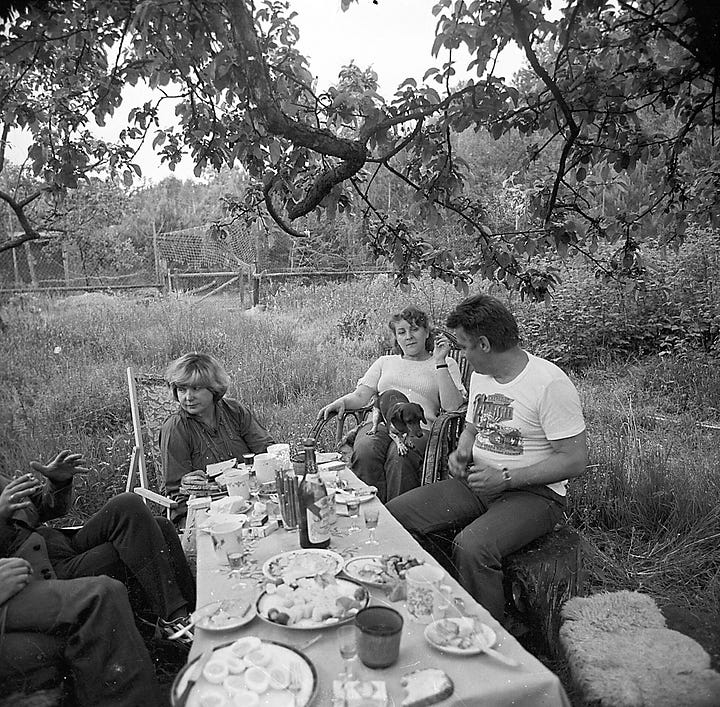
(539, 579)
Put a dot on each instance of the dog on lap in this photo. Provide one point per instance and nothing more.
(387, 451)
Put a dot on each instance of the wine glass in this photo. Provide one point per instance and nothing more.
(347, 646)
(371, 516)
(353, 507)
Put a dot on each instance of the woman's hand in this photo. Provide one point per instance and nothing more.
(442, 348)
(15, 574)
(335, 406)
(62, 469)
(16, 495)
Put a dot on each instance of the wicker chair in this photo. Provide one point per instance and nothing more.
(444, 433)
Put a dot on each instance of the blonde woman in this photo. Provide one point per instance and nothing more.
(208, 427)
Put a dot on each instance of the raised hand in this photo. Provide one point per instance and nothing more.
(16, 495)
(15, 573)
(62, 469)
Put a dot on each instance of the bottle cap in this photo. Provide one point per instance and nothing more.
(248, 459)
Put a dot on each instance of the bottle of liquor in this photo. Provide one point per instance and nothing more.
(314, 527)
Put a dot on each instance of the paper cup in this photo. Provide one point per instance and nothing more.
(238, 483)
(227, 539)
(423, 587)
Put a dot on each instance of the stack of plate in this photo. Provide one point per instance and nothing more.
(196, 483)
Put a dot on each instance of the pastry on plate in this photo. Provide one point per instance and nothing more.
(426, 687)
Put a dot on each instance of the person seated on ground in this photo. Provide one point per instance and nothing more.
(524, 437)
(208, 428)
(123, 540)
(423, 371)
(93, 622)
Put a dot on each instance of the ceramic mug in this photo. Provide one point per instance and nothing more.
(238, 483)
(227, 539)
(423, 587)
(265, 466)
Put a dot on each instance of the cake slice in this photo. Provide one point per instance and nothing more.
(426, 687)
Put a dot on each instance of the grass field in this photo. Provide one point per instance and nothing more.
(649, 503)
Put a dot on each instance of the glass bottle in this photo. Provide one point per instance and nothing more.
(313, 529)
(252, 479)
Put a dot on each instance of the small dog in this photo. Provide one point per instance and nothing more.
(401, 417)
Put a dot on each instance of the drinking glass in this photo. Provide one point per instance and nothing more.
(347, 645)
(353, 507)
(371, 516)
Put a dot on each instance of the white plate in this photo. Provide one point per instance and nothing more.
(213, 470)
(302, 563)
(281, 654)
(361, 495)
(344, 587)
(482, 636)
(225, 615)
(216, 518)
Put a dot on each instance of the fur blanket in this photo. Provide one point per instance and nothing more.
(621, 654)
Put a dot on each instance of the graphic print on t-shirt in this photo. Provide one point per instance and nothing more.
(489, 414)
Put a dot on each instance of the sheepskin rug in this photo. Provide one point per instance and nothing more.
(621, 654)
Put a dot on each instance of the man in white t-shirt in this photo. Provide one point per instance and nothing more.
(524, 437)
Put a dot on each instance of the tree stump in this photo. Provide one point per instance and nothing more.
(539, 579)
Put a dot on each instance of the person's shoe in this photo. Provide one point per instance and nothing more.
(179, 630)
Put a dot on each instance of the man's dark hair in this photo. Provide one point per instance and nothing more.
(482, 315)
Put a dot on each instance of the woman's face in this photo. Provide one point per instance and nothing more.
(411, 338)
(195, 400)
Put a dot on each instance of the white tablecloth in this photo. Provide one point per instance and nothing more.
(478, 679)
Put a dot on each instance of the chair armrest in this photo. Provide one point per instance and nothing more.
(321, 425)
(155, 497)
(443, 438)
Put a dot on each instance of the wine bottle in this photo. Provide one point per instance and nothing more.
(313, 529)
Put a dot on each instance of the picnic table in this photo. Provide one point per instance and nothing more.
(478, 679)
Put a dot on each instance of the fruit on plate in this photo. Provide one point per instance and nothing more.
(312, 599)
(386, 569)
(458, 633)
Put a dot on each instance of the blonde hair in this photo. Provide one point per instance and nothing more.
(199, 370)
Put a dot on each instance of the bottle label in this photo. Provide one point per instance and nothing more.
(318, 526)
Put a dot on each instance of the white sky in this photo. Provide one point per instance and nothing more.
(394, 37)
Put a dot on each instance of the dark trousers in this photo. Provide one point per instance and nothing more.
(375, 460)
(483, 531)
(92, 619)
(125, 541)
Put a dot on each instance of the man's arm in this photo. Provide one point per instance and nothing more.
(567, 460)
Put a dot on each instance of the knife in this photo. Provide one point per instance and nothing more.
(196, 670)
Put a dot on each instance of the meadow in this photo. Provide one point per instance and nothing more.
(649, 504)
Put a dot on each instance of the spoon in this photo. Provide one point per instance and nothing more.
(460, 606)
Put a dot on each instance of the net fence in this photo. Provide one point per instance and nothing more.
(216, 245)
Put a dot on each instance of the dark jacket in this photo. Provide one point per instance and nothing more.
(19, 536)
(186, 444)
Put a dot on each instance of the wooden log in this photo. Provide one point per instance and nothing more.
(539, 579)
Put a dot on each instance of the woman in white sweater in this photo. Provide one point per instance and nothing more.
(426, 374)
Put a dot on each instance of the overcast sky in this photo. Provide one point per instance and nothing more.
(393, 37)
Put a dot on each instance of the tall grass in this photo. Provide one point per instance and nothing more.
(648, 503)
